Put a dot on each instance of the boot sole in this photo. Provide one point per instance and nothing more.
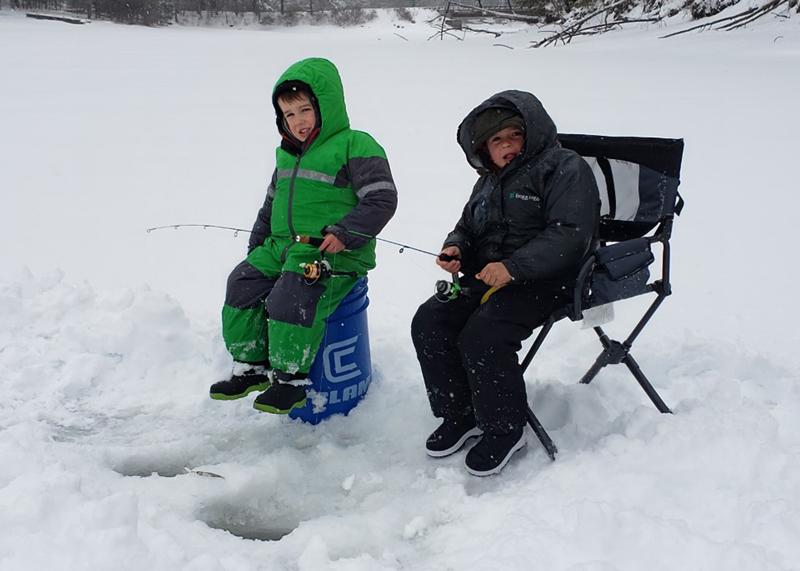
(223, 396)
(273, 410)
(516, 448)
(475, 432)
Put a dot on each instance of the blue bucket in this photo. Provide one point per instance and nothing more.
(342, 370)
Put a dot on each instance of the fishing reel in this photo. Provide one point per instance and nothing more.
(317, 270)
(448, 291)
(320, 270)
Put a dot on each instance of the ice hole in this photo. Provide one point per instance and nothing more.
(144, 468)
(247, 524)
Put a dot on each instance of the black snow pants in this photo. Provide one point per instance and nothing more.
(468, 350)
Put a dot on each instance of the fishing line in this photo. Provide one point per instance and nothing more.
(309, 239)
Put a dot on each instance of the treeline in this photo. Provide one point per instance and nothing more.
(158, 12)
(348, 12)
(147, 12)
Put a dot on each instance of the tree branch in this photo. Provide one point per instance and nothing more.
(572, 28)
(741, 19)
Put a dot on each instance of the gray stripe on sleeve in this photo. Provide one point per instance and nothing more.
(365, 190)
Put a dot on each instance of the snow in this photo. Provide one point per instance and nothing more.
(109, 335)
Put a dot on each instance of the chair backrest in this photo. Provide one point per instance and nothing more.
(637, 177)
(638, 180)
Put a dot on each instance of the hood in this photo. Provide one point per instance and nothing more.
(323, 79)
(540, 131)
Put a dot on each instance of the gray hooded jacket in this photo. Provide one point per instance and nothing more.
(539, 215)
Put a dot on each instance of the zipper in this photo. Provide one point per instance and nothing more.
(289, 212)
(291, 194)
(301, 151)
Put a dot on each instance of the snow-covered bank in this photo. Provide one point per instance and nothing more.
(108, 130)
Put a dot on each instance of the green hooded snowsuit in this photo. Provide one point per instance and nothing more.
(338, 181)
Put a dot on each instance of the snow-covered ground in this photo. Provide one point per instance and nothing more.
(109, 335)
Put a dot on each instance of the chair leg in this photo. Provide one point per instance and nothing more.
(542, 435)
(592, 372)
(534, 423)
(636, 371)
(537, 343)
(614, 353)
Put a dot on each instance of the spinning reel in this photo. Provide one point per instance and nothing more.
(320, 270)
(448, 291)
(317, 270)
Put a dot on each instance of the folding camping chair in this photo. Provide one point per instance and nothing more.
(638, 180)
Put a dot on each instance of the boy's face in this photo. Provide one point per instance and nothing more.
(505, 145)
(299, 116)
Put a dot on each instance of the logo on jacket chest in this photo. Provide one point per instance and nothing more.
(526, 197)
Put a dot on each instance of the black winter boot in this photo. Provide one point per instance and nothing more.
(493, 452)
(244, 379)
(287, 392)
(451, 436)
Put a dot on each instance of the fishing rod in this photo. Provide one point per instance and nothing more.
(444, 291)
(203, 226)
(317, 242)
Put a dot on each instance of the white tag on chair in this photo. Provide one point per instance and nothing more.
(597, 316)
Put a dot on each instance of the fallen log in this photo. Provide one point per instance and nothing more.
(57, 17)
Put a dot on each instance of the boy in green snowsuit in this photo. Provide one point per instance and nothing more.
(331, 183)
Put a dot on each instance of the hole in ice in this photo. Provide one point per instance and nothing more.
(144, 468)
(80, 427)
(70, 433)
(257, 523)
